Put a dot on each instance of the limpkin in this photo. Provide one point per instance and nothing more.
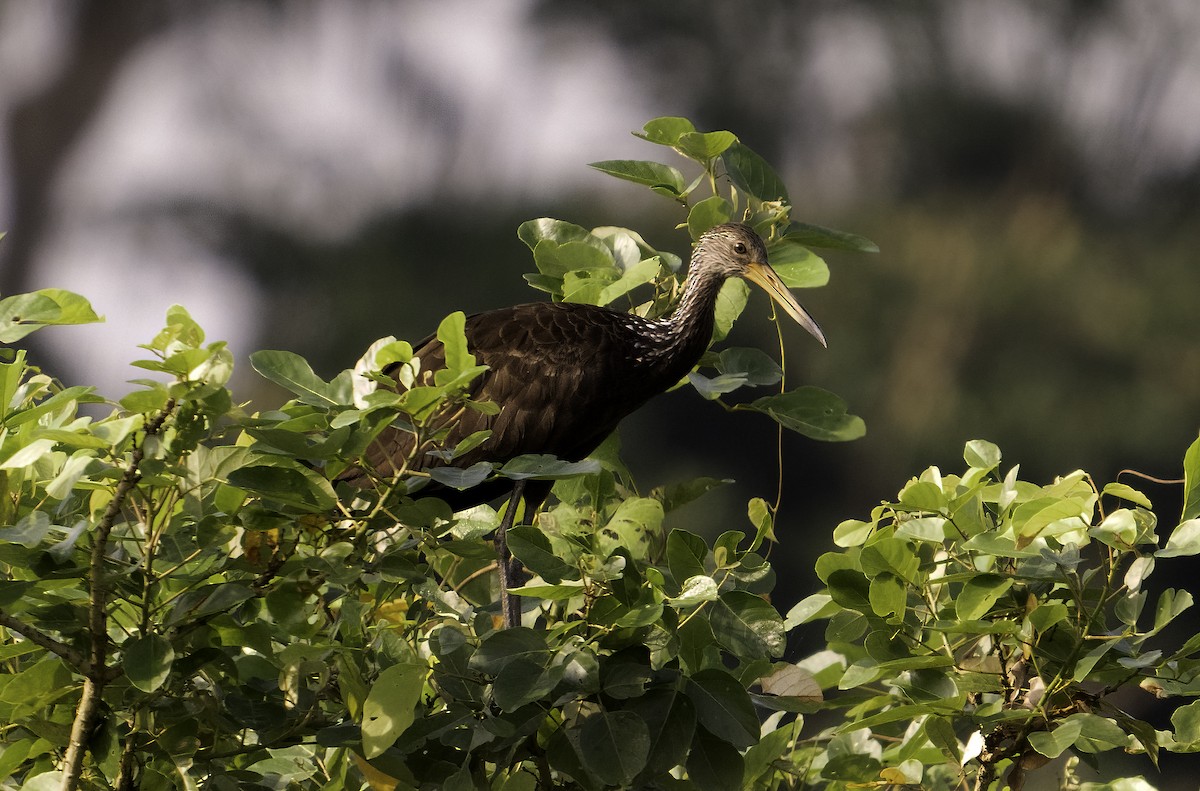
(564, 374)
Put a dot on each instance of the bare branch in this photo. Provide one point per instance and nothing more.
(72, 657)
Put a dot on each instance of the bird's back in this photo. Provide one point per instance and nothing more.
(563, 375)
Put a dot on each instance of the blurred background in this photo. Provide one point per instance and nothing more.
(312, 176)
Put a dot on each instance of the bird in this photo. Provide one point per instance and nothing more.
(564, 374)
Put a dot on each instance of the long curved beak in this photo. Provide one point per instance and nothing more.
(763, 275)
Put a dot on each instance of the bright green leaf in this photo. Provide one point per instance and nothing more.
(391, 706)
(978, 595)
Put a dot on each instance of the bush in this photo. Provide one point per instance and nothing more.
(186, 598)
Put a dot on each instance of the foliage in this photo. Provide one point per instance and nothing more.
(187, 597)
(981, 623)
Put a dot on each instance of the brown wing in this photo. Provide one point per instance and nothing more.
(562, 374)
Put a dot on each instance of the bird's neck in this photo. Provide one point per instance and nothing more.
(690, 327)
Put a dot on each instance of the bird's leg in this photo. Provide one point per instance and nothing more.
(510, 605)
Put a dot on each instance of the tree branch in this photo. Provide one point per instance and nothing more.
(97, 674)
(72, 657)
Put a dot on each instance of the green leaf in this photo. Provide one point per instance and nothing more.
(723, 707)
(1184, 540)
(533, 549)
(888, 595)
(755, 366)
(751, 174)
(813, 412)
(1191, 482)
(978, 595)
(544, 467)
(1171, 603)
(614, 746)
(686, 553)
(818, 605)
(1185, 721)
(697, 589)
(460, 478)
(22, 314)
(1088, 661)
(666, 131)
(1126, 492)
(706, 214)
(731, 301)
(1031, 518)
(287, 483)
(148, 660)
(747, 625)
(293, 373)
(451, 332)
(796, 265)
(850, 589)
(532, 232)
(670, 721)
(981, 454)
(390, 706)
(714, 764)
(703, 146)
(640, 171)
(555, 592)
(829, 239)
(763, 520)
(1052, 743)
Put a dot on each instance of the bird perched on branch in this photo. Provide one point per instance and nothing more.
(565, 374)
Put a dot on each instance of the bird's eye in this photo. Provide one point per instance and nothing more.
(739, 248)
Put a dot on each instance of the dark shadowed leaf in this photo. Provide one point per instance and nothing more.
(813, 412)
(723, 707)
(747, 625)
(148, 661)
(652, 174)
(614, 746)
(685, 554)
(750, 173)
(533, 549)
(714, 764)
(670, 721)
(829, 239)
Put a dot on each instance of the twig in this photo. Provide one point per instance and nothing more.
(73, 658)
(96, 675)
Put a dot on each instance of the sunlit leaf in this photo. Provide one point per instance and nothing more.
(391, 706)
(22, 314)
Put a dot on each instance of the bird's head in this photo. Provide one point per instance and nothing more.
(735, 250)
